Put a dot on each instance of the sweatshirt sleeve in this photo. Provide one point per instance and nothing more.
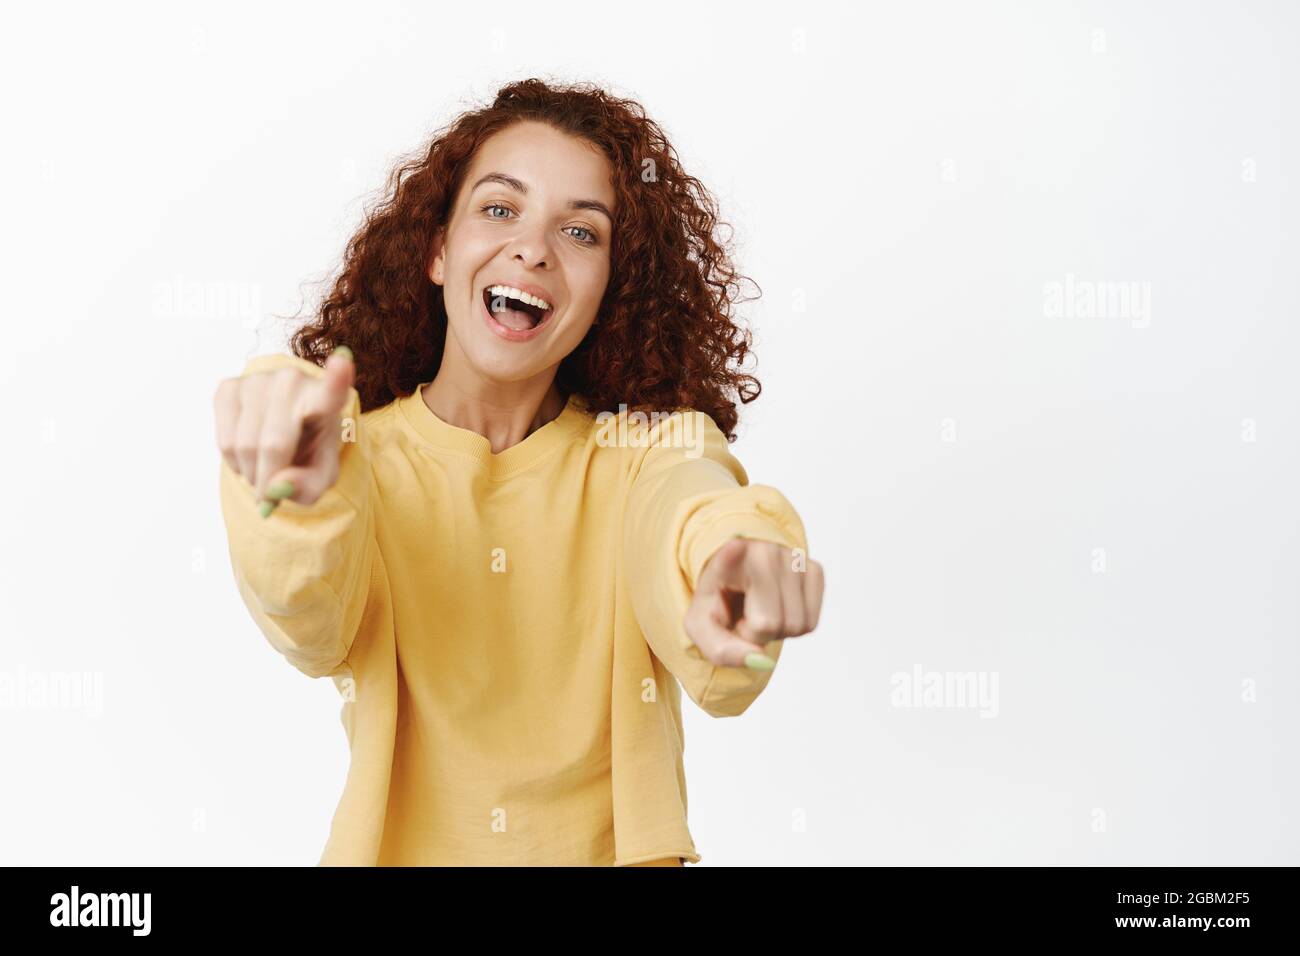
(689, 496)
(304, 572)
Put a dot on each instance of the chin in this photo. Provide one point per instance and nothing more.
(504, 364)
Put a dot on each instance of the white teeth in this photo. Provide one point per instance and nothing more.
(513, 293)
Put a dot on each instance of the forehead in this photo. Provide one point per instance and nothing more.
(553, 165)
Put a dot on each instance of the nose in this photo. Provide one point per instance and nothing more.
(531, 247)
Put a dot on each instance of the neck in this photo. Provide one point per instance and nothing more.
(503, 413)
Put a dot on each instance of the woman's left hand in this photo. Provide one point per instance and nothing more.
(751, 592)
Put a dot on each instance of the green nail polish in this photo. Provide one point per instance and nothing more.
(759, 662)
(266, 507)
(344, 351)
(281, 489)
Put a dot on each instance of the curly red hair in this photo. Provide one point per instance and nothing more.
(666, 339)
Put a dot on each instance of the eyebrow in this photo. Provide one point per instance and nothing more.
(519, 186)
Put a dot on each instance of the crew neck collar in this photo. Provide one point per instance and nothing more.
(447, 437)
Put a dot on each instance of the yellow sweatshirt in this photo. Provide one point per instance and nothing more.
(506, 629)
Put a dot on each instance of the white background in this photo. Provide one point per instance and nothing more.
(906, 181)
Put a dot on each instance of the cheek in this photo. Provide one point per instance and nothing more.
(586, 308)
(594, 287)
(465, 256)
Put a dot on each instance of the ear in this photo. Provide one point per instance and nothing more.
(437, 265)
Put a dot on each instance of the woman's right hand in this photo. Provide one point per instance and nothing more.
(281, 429)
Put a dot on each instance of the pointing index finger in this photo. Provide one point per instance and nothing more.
(329, 393)
(725, 568)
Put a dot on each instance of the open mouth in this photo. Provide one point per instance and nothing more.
(514, 310)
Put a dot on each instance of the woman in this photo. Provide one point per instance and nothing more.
(490, 495)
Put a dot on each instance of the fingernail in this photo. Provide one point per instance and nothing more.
(266, 507)
(344, 351)
(759, 662)
(280, 489)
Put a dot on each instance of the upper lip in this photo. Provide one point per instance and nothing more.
(534, 290)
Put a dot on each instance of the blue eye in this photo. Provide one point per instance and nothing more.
(589, 241)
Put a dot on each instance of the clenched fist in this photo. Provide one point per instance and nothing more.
(751, 592)
(281, 429)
